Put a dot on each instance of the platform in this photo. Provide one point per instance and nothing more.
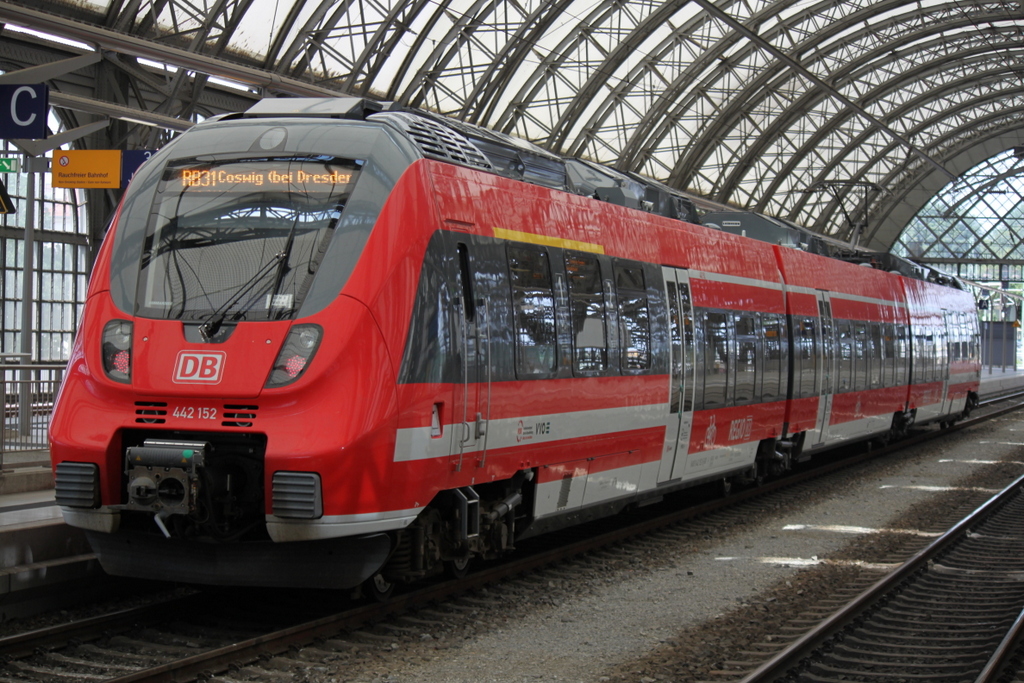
(22, 471)
(998, 381)
(42, 560)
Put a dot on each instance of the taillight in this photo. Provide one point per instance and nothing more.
(298, 350)
(117, 350)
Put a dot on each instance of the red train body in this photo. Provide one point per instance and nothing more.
(312, 355)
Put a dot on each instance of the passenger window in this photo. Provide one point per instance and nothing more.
(846, 362)
(860, 356)
(688, 348)
(586, 304)
(929, 343)
(964, 336)
(771, 389)
(534, 311)
(806, 360)
(634, 323)
(746, 359)
(875, 330)
(716, 359)
(902, 354)
(675, 326)
(889, 353)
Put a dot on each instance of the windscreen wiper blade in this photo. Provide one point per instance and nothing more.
(212, 324)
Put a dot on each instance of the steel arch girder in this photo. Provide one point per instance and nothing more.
(445, 51)
(811, 143)
(688, 165)
(961, 158)
(785, 120)
(375, 55)
(893, 178)
(496, 78)
(547, 66)
(657, 125)
(655, 121)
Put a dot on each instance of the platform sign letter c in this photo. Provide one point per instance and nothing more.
(23, 111)
(23, 90)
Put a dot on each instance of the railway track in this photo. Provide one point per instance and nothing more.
(205, 639)
(952, 613)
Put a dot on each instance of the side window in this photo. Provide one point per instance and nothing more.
(675, 327)
(634, 323)
(941, 349)
(929, 354)
(860, 356)
(688, 348)
(746, 359)
(533, 304)
(846, 363)
(804, 364)
(902, 354)
(586, 305)
(965, 335)
(716, 359)
(889, 351)
(975, 331)
(774, 365)
(920, 355)
(875, 330)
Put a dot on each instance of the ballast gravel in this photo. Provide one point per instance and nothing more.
(646, 617)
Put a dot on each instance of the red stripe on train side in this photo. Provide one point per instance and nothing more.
(848, 309)
(856, 405)
(736, 296)
(925, 394)
(731, 426)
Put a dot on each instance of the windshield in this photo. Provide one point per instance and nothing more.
(240, 239)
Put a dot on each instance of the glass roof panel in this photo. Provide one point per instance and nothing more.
(980, 215)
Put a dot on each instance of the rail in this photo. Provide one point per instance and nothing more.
(816, 646)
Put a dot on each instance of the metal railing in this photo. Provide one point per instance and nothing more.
(29, 392)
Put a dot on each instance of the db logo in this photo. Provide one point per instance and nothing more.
(199, 368)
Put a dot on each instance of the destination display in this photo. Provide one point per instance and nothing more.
(264, 176)
(218, 178)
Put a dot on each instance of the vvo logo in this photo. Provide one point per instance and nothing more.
(199, 368)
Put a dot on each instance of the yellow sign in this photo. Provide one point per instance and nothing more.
(86, 168)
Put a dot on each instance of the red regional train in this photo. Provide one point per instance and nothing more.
(335, 343)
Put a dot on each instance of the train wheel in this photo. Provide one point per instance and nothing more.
(379, 588)
(725, 487)
(457, 569)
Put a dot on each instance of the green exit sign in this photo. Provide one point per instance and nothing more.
(9, 165)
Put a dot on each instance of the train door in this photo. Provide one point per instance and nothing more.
(472, 391)
(827, 371)
(680, 414)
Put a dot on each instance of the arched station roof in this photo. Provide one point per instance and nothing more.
(844, 116)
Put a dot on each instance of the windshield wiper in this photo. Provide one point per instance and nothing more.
(212, 324)
(282, 265)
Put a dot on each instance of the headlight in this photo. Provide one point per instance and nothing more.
(117, 350)
(298, 350)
